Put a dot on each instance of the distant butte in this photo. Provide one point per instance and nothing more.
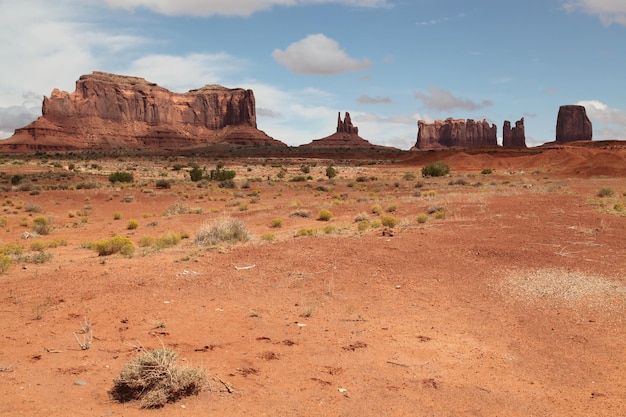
(455, 134)
(572, 124)
(346, 137)
(108, 111)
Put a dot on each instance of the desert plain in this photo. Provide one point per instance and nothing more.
(497, 290)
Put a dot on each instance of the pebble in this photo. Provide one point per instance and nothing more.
(80, 383)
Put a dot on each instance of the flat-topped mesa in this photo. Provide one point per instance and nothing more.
(514, 137)
(346, 126)
(455, 134)
(572, 124)
(113, 110)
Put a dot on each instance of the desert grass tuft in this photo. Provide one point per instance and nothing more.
(154, 380)
(222, 230)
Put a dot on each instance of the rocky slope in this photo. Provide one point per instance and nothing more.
(114, 111)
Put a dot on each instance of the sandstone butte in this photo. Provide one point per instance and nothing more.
(572, 124)
(346, 137)
(514, 137)
(108, 111)
(455, 134)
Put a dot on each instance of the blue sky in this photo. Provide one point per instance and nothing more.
(388, 62)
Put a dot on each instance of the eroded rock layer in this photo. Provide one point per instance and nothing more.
(455, 134)
(108, 110)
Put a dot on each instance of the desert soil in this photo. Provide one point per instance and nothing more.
(508, 300)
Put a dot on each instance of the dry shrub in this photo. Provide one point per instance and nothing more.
(222, 230)
(154, 380)
(116, 244)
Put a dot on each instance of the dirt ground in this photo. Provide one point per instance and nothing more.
(506, 297)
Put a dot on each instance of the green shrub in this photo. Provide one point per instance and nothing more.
(487, 171)
(120, 176)
(116, 244)
(331, 171)
(305, 169)
(117, 215)
(276, 223)
(154, 380)
(436, 169)
(325, 215)
(422, 218)
(220, 174)
(196, 174)
(377, 209)
(16, 179)
(132, 224)
(222, 230)
(409, 176)
(391, 208)
(42, 225)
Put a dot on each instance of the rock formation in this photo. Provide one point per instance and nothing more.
(346, 137)
(346, 125)
(514, 137)
(108, 110)
(573, 124)
(455, 134)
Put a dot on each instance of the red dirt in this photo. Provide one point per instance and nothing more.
(510, 304)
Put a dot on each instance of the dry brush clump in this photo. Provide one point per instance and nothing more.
(222, 230)
(154, 379)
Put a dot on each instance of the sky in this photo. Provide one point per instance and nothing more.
(389, 63)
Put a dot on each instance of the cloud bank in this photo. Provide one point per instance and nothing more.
(612, 121)
(241, 8)
(318, 55)
(608, 11)
(442, 100)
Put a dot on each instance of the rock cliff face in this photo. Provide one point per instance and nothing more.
(573, 124)
(455, 134)
(346, 126)
(108, 110)
(514, 137)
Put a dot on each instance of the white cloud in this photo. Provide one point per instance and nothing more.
(231, 7)
(443, 100)
(608, 11)
(318, 54)
(608, 122)
(46, 45)
(183, 73)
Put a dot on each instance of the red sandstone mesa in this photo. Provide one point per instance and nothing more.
(108, 111)
(514, 137)
(573, 124)
(455, 134)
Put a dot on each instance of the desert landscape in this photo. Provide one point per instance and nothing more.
(363, 288)
(161, 255)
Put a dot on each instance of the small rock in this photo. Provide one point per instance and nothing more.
(80, 383)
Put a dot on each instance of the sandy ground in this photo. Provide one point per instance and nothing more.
(509, 302)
